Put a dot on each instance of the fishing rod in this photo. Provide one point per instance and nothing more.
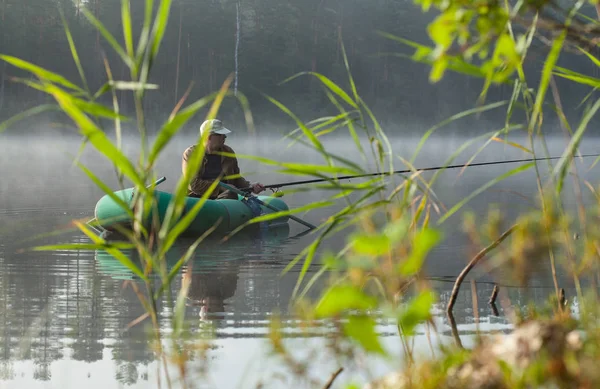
(277, 186)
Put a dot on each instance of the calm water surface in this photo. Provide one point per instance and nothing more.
(64, 316)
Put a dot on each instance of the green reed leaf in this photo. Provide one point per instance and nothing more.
(298, 168)
(83, 246)
(95, 135)
(131, 85)
(40, 72)
(417, 312)
(173, 126)
(276, 215)
(160, 25)
(350, 78)
(100, 110)
(467, 144)
(109, 38)
(145, 34)
(577, 77)
(422, 244)
(183, 224)
(380, 132)
(102, 90)
(179, 311)
(560, 170)
(106, 189)
(325, 122)
(25, 114)
(454, 118)
(74, 53)
(126, 22)
(371, 244)
(337, 158)
(549, 65)
(308, 253)
(340, 298)
(183, 261)
(362, 329)
(332, 86)
(125, 261)
(482, 188)
(308, 133)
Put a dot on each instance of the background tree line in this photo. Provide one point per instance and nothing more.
(278, 38)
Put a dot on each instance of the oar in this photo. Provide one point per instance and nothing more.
(274, 186)
(254, 198)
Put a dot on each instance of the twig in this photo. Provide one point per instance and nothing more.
(494, 295)
(495, 309)
(475, 302)
(454, 329)
(333, 377)
(472, 264)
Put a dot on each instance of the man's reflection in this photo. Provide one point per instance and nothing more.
(210, 288)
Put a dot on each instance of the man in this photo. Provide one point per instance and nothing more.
(214, 165)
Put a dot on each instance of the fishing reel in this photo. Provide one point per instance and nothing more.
(276, 192)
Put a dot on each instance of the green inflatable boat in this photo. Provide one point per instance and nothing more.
(231, 213)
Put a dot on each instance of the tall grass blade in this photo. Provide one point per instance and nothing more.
(40, 72)
(145, 34)
(25, 114)
(183, 224)
(490, 183)
(329, 84)
(125, 261)
(323, 124)
(298, 168)
(350, 78)
(561, 167)
(453, 118)
(171, 128)
(126, 22)
(490, 140)
(577, 77)
(179, 311)
(277, 215)
(308, 133)
(381, 133)
(119, 201)
(311, 250)
(109, 38)
(115, 107)
(160, 25)
(83, 246)
(545, 80)
(183, 260)
(99, 110)
(74, 53)
(95, 135)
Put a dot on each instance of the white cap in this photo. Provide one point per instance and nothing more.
(214, 126)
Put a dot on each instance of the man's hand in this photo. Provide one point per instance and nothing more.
(257, 188)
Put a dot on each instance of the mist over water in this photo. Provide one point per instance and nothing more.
(65, 316)
(77, 304)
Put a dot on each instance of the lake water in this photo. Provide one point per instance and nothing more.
(64, 315)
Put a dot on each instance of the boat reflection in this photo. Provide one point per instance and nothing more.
(214, 267)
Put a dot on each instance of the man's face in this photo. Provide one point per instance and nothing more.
(216, 140)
